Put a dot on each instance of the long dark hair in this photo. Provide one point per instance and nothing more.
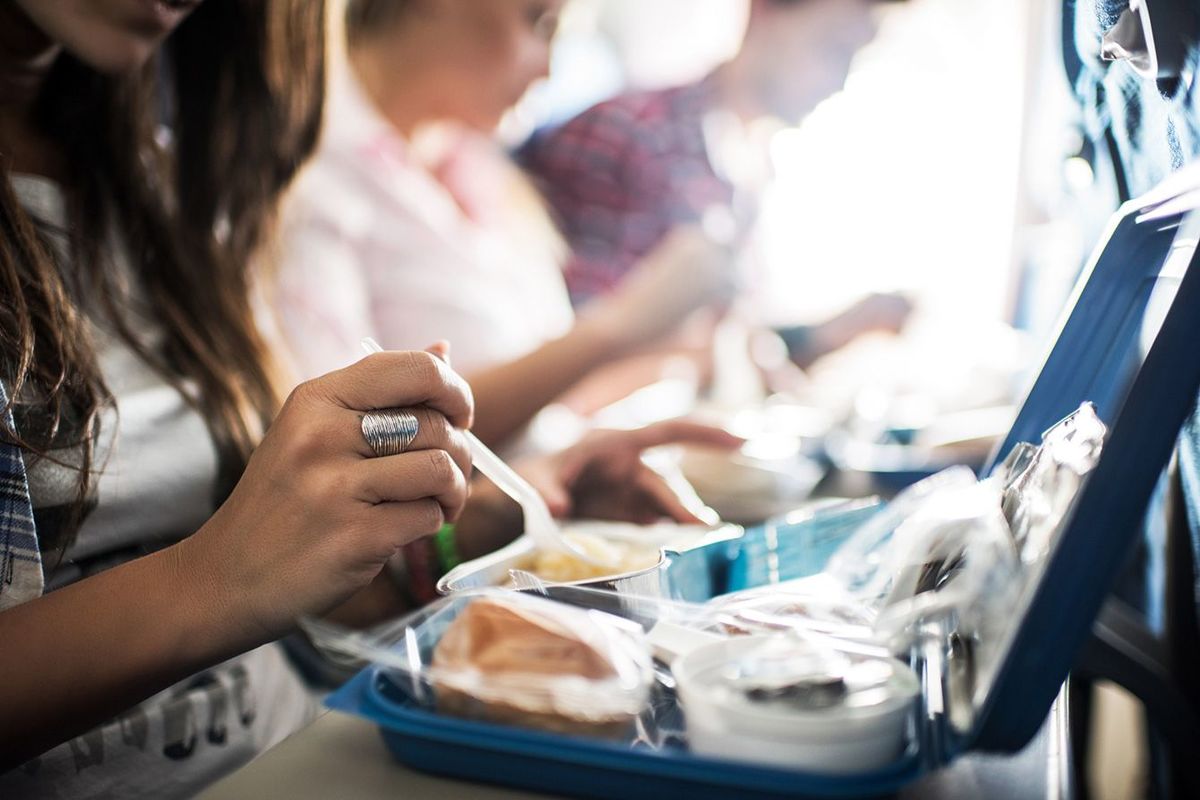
(186, 159)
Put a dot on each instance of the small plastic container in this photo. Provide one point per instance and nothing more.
(781, 701)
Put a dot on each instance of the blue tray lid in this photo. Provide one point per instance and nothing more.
(1128, 344)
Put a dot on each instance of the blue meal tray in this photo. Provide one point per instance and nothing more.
(1129, 345)
(582, 767)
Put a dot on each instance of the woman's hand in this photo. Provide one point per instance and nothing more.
(603, 475)
(316, 514)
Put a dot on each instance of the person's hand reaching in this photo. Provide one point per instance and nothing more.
(603, 475)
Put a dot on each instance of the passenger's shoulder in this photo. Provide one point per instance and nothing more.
(614, 126)
(634, 106)
(309, 204)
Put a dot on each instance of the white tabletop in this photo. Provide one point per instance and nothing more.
(340, 756)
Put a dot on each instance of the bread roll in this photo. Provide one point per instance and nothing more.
(503, 662)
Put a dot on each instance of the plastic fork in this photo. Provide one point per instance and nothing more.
(539, 523)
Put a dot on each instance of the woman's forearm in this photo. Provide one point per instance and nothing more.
(77, 657)
(509, 395)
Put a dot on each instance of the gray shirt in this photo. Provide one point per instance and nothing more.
(157, 465)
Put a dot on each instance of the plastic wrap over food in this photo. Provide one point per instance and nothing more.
(954, 555)
(1040, 483)
(767, 687)
(813, 606)
(812, 610)
(952, 545)
(863, 565)
(511, 658)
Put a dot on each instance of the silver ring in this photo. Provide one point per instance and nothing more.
(389, 431)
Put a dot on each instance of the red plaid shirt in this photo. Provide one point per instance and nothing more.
(621, 175)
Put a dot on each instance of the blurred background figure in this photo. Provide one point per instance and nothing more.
(412, 225)
(818, 138)
(728, 157)
(623, 174)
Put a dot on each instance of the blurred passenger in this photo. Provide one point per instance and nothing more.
(622, 175)
(156, 538)
(411, 225)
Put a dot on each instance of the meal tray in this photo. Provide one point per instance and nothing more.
(580, 767)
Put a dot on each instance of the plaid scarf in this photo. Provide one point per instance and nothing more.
(20, 559)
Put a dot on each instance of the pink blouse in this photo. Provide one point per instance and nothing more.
(377, 244)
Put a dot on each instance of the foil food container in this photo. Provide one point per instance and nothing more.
(494, 569)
